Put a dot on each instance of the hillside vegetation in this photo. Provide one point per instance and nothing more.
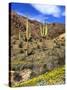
(36, 52)
(53, 77)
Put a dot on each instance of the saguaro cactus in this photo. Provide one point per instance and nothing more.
(20, 39)
(43, 30)
(28, 35)
(46, 29)
(20, 35)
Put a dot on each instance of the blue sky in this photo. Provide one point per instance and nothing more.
(40, 12)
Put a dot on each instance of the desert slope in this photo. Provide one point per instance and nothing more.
(44, 54)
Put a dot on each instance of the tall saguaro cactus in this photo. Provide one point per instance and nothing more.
(20, 36)
(43, 30)
(46, 29)
(28, 35)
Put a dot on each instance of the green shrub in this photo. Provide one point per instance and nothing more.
(53, 77)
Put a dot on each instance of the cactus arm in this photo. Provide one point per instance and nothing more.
(19, 36)
(41, 31)
(46, 30)
(27, 29)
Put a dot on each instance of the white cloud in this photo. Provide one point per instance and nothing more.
(63, 14)
(45, 10)
(39, 18)
(48, 9)
(19, 13)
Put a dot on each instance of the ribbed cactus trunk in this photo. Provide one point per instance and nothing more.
(27, 31)
(28, 35)
(20, 35)
(26, 48)
(43, 30)
(20, 39)
(46, 30)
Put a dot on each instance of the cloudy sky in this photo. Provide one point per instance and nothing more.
(40, 12)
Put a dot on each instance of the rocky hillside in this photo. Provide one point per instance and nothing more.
(43, 54)
(19, 22)
(54, 77)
